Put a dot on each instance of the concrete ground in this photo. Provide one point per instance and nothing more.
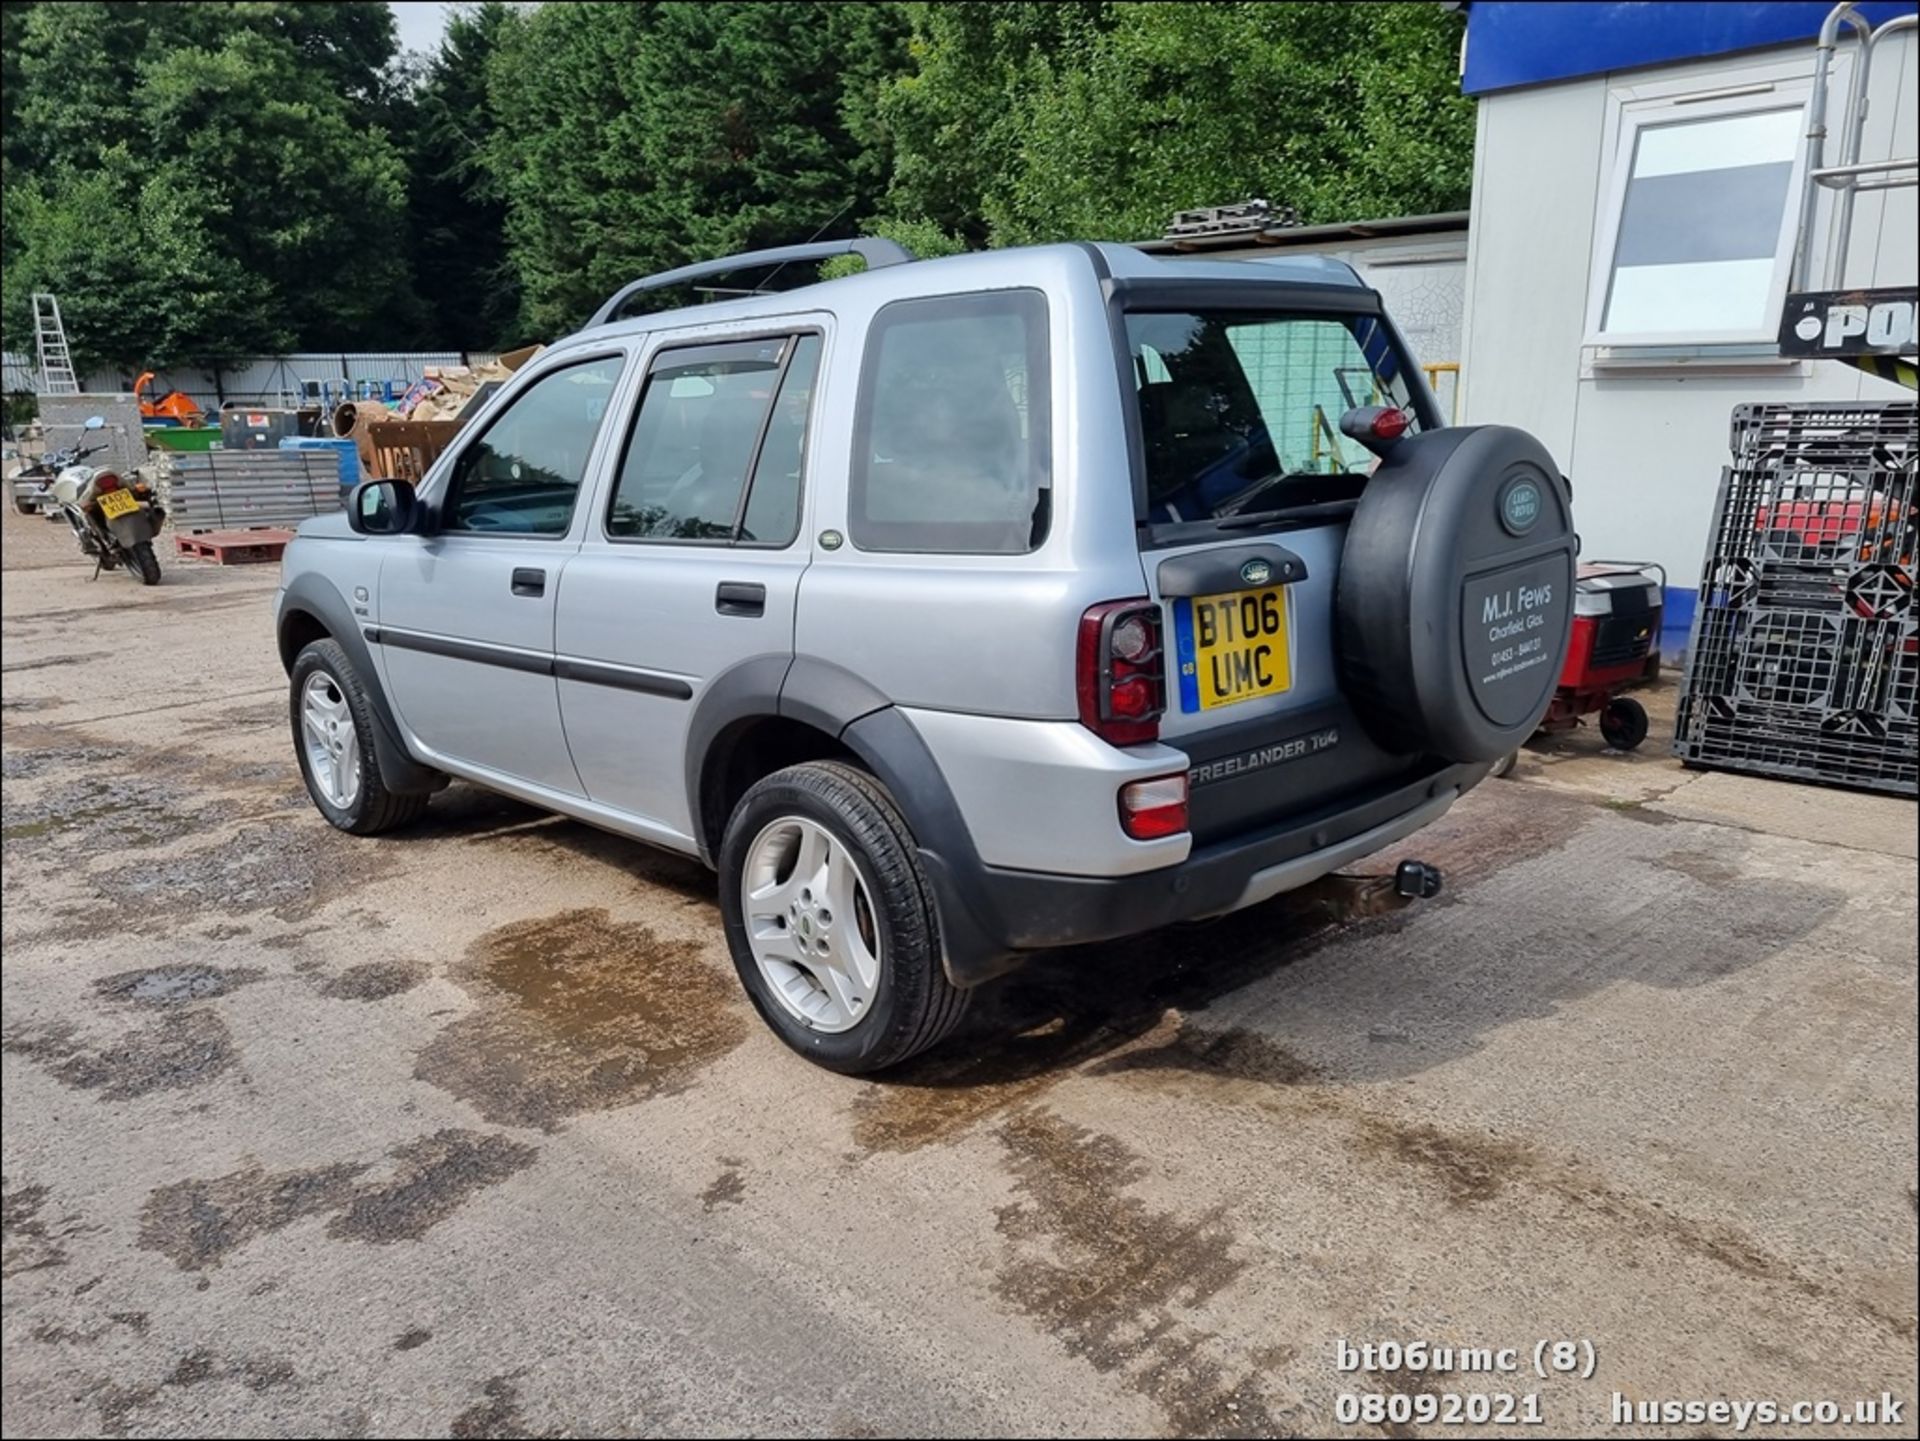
(471, 1132)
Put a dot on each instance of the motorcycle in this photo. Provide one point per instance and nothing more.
(114, 519)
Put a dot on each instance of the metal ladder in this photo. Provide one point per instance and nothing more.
(50, 343)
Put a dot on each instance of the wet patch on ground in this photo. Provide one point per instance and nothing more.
(581, 1013)
(173, 985)
(728, 1188)
(178, 1051)
(101, 814)
(289, 869)
(31, 1238)
(495, 1414)
(120, 1404)
(436, 1175)
(412, 1339)
(1116, 1281)
(49, 1333)
(373, 981)
(198, 1224)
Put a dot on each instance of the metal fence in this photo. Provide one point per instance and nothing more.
(1806, 642)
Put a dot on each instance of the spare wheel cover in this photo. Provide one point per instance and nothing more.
(1455, 599)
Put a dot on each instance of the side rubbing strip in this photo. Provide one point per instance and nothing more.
(461, 650)
(592, 674)
(589, 672)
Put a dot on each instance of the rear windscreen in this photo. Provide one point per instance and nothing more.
(1240, 412)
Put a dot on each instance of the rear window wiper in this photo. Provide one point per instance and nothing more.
(1299, 515)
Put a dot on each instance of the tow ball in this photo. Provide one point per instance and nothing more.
(1417, 881)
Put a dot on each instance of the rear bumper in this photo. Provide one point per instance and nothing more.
(989, 916)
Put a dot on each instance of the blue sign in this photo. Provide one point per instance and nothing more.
(1523, 42)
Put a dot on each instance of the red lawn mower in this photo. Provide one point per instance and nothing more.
(1616, 644)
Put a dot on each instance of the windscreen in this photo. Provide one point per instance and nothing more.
(1240, 412)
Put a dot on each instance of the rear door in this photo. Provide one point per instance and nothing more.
(691, 566)
(1248, 483)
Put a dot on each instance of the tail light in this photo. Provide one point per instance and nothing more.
(104, 482)
(1119, 677)
(1155, 808)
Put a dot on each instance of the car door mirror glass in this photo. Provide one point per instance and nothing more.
(381, 507)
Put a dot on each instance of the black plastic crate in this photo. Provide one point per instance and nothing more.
(1806, 641)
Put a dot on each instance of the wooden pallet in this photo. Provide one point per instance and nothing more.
(234, 547)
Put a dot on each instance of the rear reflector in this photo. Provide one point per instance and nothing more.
(1155, 808)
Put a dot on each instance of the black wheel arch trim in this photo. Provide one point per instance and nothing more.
(310, 595)
(850, 710)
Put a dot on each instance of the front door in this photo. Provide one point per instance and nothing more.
(691, 569)
(465, 615)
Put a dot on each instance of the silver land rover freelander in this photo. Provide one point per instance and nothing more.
(951, 610)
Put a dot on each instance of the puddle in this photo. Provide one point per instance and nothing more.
(581, 1013)
(373, 981)
(178, 1051)
(1115, 1280)
(171, 985)
(198, 1224)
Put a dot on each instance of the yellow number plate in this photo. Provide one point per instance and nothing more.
(116, 503)
(1232, 647)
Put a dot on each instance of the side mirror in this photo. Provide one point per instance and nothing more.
(381, 507)
(95, 422)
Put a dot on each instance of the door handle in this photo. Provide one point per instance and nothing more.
(739, 597)
(528, 581)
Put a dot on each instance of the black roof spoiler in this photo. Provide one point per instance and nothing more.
(875, 251)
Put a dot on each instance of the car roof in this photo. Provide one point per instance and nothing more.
(1037, 265)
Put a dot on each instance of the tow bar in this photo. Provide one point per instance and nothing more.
(1343, 898)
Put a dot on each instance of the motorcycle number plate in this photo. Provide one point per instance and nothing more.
(116, 503)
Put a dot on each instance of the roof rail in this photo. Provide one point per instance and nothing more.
(875, 251)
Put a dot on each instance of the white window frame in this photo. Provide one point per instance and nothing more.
(1702, 96)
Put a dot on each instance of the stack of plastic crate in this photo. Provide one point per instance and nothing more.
(1806, 643)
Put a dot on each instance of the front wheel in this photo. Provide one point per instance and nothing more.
(141, 561)
(333, 736)
(831, 920)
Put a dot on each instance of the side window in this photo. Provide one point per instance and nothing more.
(521, 476)
(951, 444)
(718, 445)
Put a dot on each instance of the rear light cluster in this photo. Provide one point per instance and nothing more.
(105, 482)
(1119, 675)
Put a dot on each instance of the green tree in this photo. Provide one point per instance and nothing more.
(195, 180)
(455, 209)
(958, 117)
(1100, 122)
(637, 139)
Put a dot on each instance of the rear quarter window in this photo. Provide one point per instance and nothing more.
(952, 438)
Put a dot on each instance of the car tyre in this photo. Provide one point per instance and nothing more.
(333, 730)
(818, 854)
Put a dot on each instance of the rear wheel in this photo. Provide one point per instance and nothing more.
(1623, 723)
(144, 563)
(831, 920)
(333, 736)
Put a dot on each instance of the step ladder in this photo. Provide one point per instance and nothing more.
(50, 344)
